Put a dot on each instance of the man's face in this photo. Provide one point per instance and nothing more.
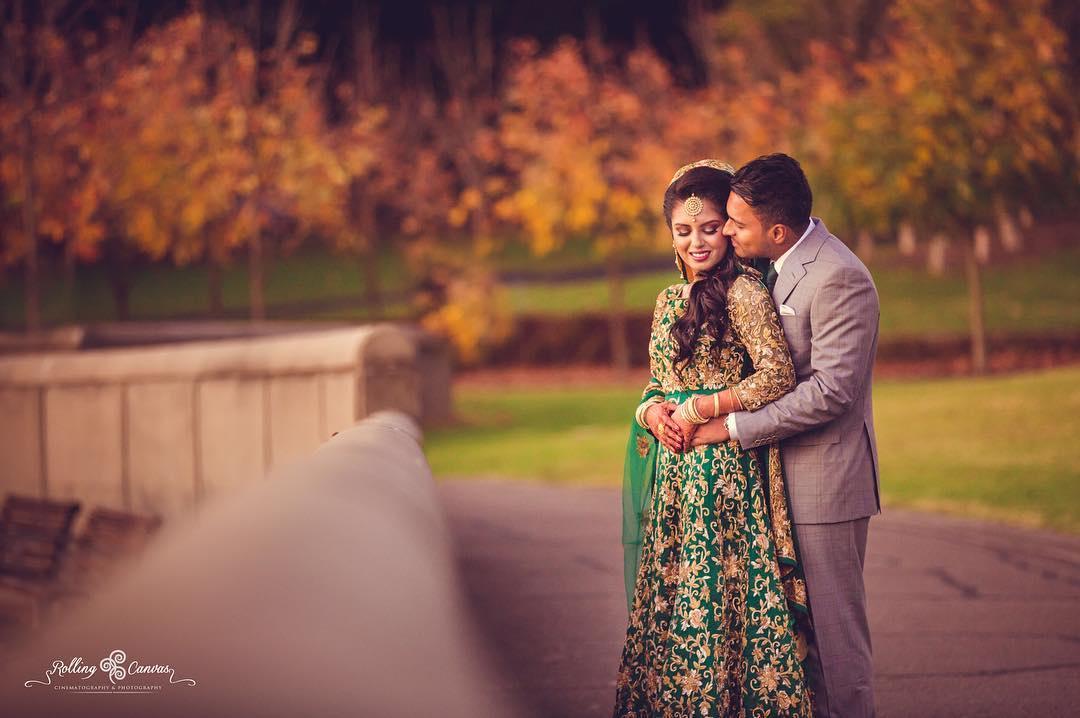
(745, 230)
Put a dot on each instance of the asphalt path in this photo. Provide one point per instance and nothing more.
(968, 618)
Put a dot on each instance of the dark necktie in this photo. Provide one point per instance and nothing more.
(770, 276)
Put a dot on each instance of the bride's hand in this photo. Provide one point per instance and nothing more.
(671, 437)
(687, 429)
(714, 431)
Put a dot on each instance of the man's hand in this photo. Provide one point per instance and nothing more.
(659, 415)
(714, 431)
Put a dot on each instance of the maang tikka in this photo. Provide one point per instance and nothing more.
(693, 205)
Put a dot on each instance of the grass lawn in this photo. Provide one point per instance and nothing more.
(999, 447)
(1032, 294)
(160, 291)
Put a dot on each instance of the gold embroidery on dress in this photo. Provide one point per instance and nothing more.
(704, 623)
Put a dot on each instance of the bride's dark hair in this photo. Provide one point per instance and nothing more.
(707, 307)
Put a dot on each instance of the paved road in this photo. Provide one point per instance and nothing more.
(968, 619)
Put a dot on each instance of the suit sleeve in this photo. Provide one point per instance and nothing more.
(843, 325)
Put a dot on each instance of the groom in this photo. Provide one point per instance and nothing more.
(828, 307)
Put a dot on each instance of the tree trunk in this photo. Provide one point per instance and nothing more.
(256, 297)
(120, 284)
(1011, 238)
(976, 318)
(215, 283)
(906, 240)
(937, 250)
(982, 244)
(864, 245)
(32, 285)
(620, 348)
(67, 289)
(369, 257)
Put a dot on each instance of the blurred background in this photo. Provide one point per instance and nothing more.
(493, 173)
(233, 232)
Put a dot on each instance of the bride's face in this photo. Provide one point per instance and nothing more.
(698, 239)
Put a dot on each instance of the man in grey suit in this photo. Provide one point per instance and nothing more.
(828, 307)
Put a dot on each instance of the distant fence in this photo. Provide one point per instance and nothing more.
(157, 428)
(584, 338)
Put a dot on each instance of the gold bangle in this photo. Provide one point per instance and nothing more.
(716, 404)
(682, 411)
(686, 411)
(643, 409)
(690, 412)
(643, 412)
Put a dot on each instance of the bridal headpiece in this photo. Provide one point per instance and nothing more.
(715, 164)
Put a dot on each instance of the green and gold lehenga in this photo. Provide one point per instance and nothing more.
(718, 613)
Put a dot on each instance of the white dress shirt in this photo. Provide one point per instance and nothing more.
(778, 263)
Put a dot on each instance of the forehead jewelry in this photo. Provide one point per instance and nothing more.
(693, 205)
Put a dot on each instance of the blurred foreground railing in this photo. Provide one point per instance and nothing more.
(329, 589)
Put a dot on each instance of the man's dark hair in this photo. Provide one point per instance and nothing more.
(775, 186)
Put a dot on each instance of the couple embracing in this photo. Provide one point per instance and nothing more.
(751, 469)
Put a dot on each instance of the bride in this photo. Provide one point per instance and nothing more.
(718, 616)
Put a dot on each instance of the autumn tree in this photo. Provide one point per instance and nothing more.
(589, 141)
(448, 157)
(365, 140)
(40, 116)
(966, 114)
(156, 146)
(295, 179)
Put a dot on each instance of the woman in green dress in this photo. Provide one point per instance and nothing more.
(718, 615)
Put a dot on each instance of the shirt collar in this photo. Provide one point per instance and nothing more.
(780, 260)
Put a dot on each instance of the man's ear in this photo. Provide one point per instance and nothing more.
(777, 233)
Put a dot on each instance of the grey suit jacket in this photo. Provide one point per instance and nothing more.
(826, 424)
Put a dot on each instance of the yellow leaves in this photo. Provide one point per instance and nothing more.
(9, 169)
(457, 216)
(963, 101)
(271, 123)
(192, 215)
(308, 44)
(245, 59)
(51, 228)
(470, 198)
(624, 206)
(475, 314)
(151, 236)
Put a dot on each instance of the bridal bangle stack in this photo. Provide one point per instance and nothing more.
(639, 415)
(687, 409)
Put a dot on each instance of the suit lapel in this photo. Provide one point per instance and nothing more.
(794, 270)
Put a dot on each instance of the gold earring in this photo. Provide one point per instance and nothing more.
(679, 263)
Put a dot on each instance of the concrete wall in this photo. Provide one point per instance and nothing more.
(330, 589)
(158, 429)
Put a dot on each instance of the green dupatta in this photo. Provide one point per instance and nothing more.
(639, 475)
